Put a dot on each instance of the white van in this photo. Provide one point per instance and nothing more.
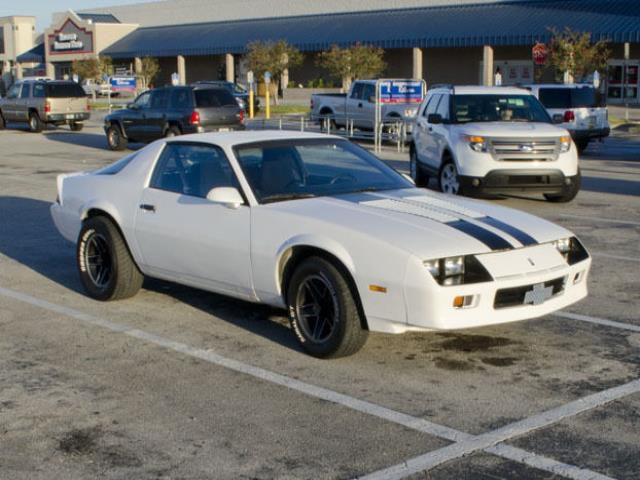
(583, 113)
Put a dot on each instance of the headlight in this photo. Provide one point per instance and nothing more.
(477, 144)
(571, 249)
(457, 270)
(565, 144)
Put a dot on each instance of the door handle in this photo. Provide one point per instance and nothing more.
(431, 129)
(148, 208)
(360, 105)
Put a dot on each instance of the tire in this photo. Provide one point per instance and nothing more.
(172, 131)
(581, 145)
(420, 178)
(115, 139)
(35, 124)
(107, 271)
(319, 285)
(332, 122)
(569, 193)
(3, 123)
(448, 179)
(76, 127)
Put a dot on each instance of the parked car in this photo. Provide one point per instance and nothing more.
(99, 88)
(42, 102)
(359, 106)
(237, 90)
(581, 108)
(492, 140)
(172, 111)
(318, 226)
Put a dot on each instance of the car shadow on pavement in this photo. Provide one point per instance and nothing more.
(29, 237)
(611, 185)
(84, 139)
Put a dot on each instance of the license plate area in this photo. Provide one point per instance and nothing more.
(533, 294)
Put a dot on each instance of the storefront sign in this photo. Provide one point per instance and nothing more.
(70, 39)
(401, 91)
(539, 53)
(123, 84)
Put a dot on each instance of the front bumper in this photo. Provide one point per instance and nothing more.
(68, 117)
(517, 180)
(587, 134)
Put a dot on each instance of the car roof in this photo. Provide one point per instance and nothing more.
(232, 139)
(481, 90)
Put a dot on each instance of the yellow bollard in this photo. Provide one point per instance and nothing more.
(251, 103)
(267, 107)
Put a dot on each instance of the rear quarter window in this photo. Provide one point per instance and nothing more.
(214, 97)
(568, 97)
(65, 90)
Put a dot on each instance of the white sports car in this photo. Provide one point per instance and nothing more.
(319, 226)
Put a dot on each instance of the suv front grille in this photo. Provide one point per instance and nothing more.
(525, 149)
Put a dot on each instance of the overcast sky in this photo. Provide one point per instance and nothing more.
(42, 9)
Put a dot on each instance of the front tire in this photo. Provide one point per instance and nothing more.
(76, 127)
(323, 311)
(420, 178)
(115, 138)
(35, 124)
(581, 145)
(107, 271)
(569, 193)
(449, 180)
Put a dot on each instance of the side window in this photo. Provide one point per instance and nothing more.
(368, 91)
(433, 105)
(443, 107)
(14, 91)
(38, 90)
(159, 99)
(426, 105)
(26, 90)
(180, 98)
(192, 169)
(143, 100)
(356, 93)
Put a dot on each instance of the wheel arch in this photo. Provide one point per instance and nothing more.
(326, 111)
(103, 211)
(117, 123)
(291, 256)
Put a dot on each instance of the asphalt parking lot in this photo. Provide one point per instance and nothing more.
(177, 383)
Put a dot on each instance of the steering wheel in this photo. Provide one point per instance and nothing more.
(342, 178)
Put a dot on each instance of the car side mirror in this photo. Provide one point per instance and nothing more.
(228, 196)
(434, 118)
(557, 118)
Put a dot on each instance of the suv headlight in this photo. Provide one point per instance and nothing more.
(458, 270)
(477, 144)
(565, 144)
(571, 249)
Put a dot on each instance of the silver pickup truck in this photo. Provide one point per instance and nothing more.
(359, 105)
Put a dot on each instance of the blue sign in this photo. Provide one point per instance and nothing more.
(123, 84)
(401, 91)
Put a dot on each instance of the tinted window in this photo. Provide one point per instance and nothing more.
(38, 90)
(568, 97)
(285, 170)
(14, 91)
(214, 97)
(368, 91)
(143, 100)
(65, 90)
(433, 105)
(192, 169)
(181, 98)
(357, 90)
(159, 99)
(26, 91)
(443, 107)
(499, 108)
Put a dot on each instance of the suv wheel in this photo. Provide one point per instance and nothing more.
(76, 127)
(35, 124)
(417, 174)
(115, 139)
(569, 192)
(172, 131)
(449, 179)
(582, 145)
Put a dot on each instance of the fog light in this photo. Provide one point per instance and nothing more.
(567, 181)
(578, 277)
(475, 182)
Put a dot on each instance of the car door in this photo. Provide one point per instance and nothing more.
(430, 152)
(22, 103)
(184, 237)
(439, 132)
(132, 117)
(421, 131)
(154, 119)
(9, 107)
(353, 106)
(367, 108)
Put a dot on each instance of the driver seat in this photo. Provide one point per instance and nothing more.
(280, 169)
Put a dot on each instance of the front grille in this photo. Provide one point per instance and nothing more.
(514, 297)
(525, 149)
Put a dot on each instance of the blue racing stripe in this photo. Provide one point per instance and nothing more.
(490, 239)
(523, 237)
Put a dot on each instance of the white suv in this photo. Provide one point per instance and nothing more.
(492, 140)
(580, 107)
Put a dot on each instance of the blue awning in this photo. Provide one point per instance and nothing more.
(497, 24)
(35, 55)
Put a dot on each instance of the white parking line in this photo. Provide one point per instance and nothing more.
(615, 257)
(465, 442)
(600, 219)
(598, 321)
(490, 439)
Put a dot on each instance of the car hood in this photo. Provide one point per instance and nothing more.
(424, 223)
(512, 129)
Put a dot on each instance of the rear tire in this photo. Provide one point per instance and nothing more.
(76, 127)
(115, 138)
(323, 311)
(569, 193)
(35, 124)
(172, 131)
(582, 145)
(420, 178)
(107, 271)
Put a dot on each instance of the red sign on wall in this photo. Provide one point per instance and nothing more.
(539, 53)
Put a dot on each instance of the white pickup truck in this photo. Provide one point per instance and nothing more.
(359, 105)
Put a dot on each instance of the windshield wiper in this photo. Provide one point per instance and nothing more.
(278, 197)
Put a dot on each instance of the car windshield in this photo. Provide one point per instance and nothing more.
(498, 108)
(291, 169)
(584, 97)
